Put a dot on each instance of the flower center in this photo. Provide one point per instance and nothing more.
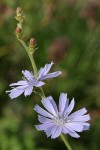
(61, 119)
(31, 82)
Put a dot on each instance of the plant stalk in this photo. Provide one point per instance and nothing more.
(33, 64)
(66, 142)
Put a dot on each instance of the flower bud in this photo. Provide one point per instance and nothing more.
(32, 42)
(18, 32)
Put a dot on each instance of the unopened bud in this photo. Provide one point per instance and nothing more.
(32, 45)
(18, 30)
(32, 42)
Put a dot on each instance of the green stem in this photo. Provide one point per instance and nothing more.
(31, 58)
(66, 142)
(33, 64)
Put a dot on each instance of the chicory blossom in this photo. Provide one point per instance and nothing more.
(30, 81)
(55, 121)
(24, 86)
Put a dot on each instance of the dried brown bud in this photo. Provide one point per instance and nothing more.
(18, 30)
(32, 42)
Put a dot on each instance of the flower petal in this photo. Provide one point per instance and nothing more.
(49, 130)
(86, 127)
(81, 118)
(27, 74)
(70, 131)
(53, 104)
(42, 112)
(70, 108)
(74, 134)
(63, 102)
(65, 130)
(51, 75)
(48, 105)
(44, 119)
(43, 126)
(40, 71)
(47, 67)
(56, 131)
(39, 83)
(22, 82)
(15, 93)
(28, 90)
(44, 71)
(78, 113)
(75, 126)
(22, 87)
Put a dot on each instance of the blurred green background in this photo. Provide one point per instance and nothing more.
(67, 32)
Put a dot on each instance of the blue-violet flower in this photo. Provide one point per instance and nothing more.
(29, 81)
(56, 121)
(24, 86)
